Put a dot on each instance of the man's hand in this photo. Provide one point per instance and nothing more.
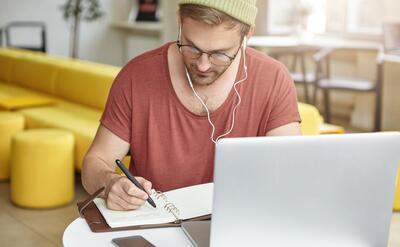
(122, 194)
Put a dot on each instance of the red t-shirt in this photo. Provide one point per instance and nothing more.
(171, 146)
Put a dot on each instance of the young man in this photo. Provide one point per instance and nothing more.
(164, 104)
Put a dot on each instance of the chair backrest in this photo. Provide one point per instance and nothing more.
(1, 37)
(296, 55)
(26, 26)
(391, 38)
(287, 56)
(321, 58)
(322, 61)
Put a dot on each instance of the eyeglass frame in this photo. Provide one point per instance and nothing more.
(209, 54)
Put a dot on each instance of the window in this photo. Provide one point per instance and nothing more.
(281, 16)
(365, 16)
(327, 16)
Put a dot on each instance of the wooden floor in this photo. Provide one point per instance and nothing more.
(28, 227)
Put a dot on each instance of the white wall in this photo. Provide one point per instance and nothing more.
(391, 10)
(98, 41)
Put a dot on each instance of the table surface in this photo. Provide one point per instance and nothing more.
(78, 234)
(294, 41)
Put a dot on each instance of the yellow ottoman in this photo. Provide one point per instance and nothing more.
(10, 124)
(42, 168)
(396, 205)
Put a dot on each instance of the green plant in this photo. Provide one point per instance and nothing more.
(75, 11)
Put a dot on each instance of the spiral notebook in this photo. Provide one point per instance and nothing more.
(173, 207)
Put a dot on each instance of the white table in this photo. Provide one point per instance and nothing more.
(78, 234)
(261, 42)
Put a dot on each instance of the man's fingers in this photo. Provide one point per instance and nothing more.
(116, 203)
(132, 191)
(146, 184)
(124, 195)
(124, 200)
(147, 187)
(132, 200)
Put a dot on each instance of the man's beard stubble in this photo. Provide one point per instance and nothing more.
(209, 79)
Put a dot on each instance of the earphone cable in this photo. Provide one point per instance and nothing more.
(234, 109)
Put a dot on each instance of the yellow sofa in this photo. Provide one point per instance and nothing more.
(74, 93)
(78, 90)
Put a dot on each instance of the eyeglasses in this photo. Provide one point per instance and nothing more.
(216, 58)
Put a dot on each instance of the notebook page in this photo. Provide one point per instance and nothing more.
(192, 201)
(145, 215)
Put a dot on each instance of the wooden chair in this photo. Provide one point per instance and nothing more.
(326, 83)
(300, 74)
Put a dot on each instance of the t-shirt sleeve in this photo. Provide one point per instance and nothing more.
(117, 115)
(284, 109)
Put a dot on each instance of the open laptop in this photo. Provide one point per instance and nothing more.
(331, 190)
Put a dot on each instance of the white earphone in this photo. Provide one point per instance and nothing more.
(207, 110)
(234, 87)
(244, 53)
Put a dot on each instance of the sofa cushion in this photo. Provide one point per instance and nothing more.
(25, 102)
(85, 84)
(9, 91)
(7, 59)
(81, 121)
(35, 73)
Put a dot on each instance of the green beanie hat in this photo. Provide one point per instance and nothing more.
(242, 10)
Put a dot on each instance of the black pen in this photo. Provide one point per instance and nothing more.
(133, 180)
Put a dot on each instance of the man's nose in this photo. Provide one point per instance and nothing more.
(203, 62)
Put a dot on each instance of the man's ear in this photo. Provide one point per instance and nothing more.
(178, 17)
(179, 25)
(251, 32)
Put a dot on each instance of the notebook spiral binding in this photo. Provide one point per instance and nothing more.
(159, 195)
(170, 207)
